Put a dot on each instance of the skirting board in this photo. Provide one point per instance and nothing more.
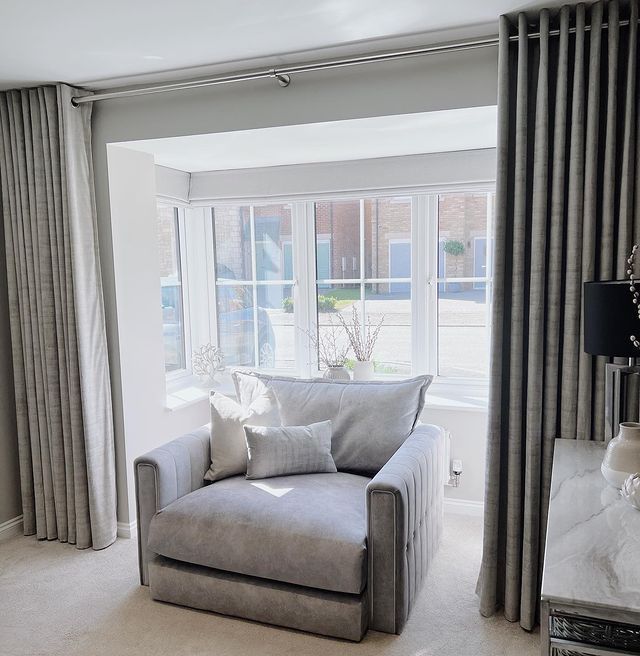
(463, 507)
(126, 530)
(11, 527)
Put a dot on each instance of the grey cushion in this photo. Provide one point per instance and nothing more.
(228, 445)
(286, 450)
(307, 530)
(370, 420)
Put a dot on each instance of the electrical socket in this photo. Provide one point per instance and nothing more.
(456, 467)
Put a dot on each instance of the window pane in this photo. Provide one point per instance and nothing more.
(462, 236)
(337, 239)
(236, 322)
(392, 351)
(463, 338)
(389, 304)
(171, 289)
(388, 240)
(232, 242)
(274, 259)
(333, 301)
(276, 328)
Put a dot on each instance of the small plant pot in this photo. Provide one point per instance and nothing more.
(337, 373)
(363, 370)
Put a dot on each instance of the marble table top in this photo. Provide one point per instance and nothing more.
(592, 553)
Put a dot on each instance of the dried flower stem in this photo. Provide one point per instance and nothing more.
(331, 353)
(362, 341)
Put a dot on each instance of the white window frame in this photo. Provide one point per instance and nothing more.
(179, 374)
(424, 275)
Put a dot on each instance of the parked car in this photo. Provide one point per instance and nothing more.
(236, 328)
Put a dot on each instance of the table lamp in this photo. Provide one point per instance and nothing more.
(610, 318)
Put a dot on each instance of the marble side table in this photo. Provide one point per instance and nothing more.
(590, 601)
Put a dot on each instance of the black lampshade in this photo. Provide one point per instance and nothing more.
(610, 318)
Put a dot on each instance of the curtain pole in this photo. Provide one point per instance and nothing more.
(283, 74)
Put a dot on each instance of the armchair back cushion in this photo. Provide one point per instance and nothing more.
(370, 420)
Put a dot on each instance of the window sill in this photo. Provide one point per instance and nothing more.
(472, 397)
(188, 391)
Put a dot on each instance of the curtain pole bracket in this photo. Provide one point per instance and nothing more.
(284, 80)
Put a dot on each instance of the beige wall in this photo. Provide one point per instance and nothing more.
(10, 502)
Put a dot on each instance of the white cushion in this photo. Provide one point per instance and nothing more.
(228, 444)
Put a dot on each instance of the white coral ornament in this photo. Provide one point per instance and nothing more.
(631, 490)
(207, 362)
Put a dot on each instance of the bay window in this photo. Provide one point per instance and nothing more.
(279, 272)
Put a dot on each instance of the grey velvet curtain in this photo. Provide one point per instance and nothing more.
(566, 212)
(62, 388)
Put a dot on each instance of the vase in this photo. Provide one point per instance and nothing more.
(363, 370)
(622, 457)
(337, 373)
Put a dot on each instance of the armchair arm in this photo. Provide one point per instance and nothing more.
(404, 523)
(164, 475)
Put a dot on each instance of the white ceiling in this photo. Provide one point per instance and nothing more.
(104, 44)
(384, 136)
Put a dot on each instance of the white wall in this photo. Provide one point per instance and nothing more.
(384, 174)
(452, 80)
(468, 443)
(145, 421)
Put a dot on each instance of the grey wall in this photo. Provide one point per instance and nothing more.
(453, 80)
(10, 502)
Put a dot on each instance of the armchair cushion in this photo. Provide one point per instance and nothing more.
(307, 530)
(286, 450)
(370, 420)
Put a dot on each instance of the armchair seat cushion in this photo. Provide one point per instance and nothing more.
(308, 530)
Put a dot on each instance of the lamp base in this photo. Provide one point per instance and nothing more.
(622, 396)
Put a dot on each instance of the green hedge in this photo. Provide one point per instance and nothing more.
(325, 304)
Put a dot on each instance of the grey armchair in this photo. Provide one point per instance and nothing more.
(395, 527)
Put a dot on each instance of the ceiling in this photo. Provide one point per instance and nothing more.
(109, 44)
(384, 136)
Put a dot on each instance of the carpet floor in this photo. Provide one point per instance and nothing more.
(56, 600)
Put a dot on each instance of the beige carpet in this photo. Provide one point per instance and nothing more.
(56, 600)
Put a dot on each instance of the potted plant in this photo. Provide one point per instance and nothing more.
(332, 350)
(363, 339)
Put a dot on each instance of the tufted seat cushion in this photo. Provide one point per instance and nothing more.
(308, 530)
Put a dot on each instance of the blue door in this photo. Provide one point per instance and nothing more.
(479, 261)
(268, 260)
(323, 261)
(400, 266)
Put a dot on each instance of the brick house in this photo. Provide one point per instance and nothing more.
(387, 226)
